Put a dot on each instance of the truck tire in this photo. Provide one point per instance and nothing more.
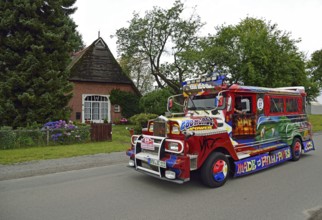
(296, 149)
(215, 170)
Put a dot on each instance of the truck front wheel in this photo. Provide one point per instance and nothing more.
(215, 170)
(296, 149)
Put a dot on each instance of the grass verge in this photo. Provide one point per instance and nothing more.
(120, 142)
(316, 121)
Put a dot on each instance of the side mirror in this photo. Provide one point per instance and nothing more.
(219, 101)
(229, 104)
(170, 103)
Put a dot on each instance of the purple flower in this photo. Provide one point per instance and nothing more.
(59, 128)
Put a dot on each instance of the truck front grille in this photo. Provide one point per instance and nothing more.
(160, 128)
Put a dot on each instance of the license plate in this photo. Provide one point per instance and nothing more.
(158, 163)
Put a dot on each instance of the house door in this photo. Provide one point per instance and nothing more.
(96, 108)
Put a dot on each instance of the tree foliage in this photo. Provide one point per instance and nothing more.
(155, 102)
(254, 52)
(139, 72)
(315, 68)
(36, 40)
(158, 34)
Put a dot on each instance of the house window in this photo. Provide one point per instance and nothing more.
(117, 108)
(78, 115)
(95, 108)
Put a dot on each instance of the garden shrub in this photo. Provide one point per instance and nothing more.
(52, 133)
(7, 138)
(29, 138)
(60, 132)
(140, 121)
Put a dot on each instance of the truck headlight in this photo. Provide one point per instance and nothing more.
(175, 129)
(151, 127)
(131, 163)
(134, 139)
(173, 146)
(170, 174)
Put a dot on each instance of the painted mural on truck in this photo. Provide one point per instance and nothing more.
(223, 129)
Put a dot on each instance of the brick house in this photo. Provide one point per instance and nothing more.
(94, 74)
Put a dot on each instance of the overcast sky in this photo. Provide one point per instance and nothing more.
(302, 18)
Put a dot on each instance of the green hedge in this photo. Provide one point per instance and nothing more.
(7, 138)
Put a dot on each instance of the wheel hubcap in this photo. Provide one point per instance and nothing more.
(220, 170)
(297, 149)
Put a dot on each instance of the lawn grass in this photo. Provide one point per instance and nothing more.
(316, 121)
(120, 142)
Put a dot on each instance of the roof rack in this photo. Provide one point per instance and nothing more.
(293, 88)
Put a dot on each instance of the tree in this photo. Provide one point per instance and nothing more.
(315, 67)
(155, 102)
(254, 52)
(128, 101)
(159, 33)
(314, 70)
(36, 41)
(139, 72)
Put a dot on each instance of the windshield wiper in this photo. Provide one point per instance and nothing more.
(194, 108)
(204, 109)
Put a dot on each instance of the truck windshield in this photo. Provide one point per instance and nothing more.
(205, 102)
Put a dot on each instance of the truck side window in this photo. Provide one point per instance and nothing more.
(242, 104)
(238, 107)
(277, 105)
(292, 105)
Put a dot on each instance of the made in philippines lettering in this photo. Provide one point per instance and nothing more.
(263, 161)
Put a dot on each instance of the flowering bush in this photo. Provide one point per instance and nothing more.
(123, 120)
(59, 124)
(64, 133)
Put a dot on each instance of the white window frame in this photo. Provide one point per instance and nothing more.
(117, 108)
(92, 103)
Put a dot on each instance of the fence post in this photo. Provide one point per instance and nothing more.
(47, 131)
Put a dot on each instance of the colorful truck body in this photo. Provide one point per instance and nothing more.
(223, 130)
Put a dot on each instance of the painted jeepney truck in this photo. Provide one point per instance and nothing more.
(222, 131)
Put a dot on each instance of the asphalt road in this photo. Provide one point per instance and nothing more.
(292, 190)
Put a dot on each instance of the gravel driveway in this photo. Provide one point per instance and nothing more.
(41, 167)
